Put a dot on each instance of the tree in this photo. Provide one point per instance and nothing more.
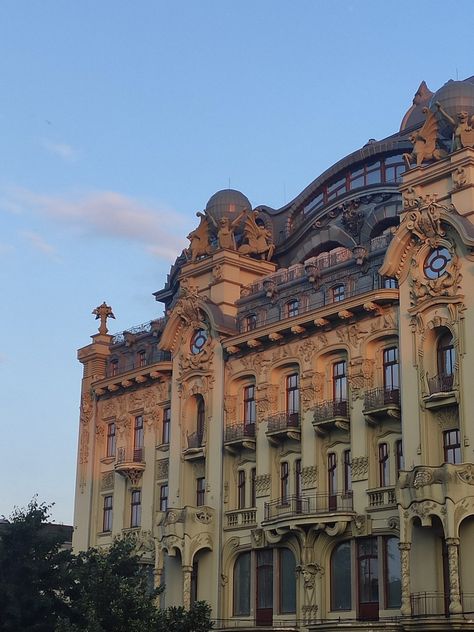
(110, 591)
(34, 572)
(177, 619)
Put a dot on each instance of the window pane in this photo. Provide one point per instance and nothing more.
(392, 569)
(368, 571)
(265, 579)
(287, 581)
(341, 577)
(242, 585)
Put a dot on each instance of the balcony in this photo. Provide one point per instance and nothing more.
(381, 403)
(241, 519)
(130, 463)
(195, 447)
(239, 436)
(381, 498)
(429, 604)
(283, 426)
(442, 391)
(331, 415)
(308, 507)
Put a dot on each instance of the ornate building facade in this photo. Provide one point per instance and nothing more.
(293, 441)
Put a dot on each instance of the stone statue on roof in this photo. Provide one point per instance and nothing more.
(199, 238)
(463, 128)
(425, 142)
(225, 230)
(258, 238)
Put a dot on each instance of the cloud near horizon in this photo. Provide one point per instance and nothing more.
(110, 215)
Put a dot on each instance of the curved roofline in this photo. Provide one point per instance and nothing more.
(397, 142)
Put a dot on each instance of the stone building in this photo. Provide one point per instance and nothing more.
(293, 441)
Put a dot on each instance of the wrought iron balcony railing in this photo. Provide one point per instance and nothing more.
(441, 384)
(195, 440)
(283, 421)
(330, 409)
(129, 455)
(242, 430)
(314, 504)
(427, 604)
(380, 397)
(123, 364)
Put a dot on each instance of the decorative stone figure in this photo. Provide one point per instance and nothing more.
(424, 142)
(199, 238)
(103, 312)
(463, 134)
(225, 230)
(259, 239)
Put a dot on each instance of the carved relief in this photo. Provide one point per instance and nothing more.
(448, 284)
(360, 468)
(109, 408)
(162, 467)
(352, 335)
(422, 217)
(107, 481)
(262, 484)
(309, 475)
(459, 178)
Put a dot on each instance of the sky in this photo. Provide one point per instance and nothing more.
(120, 119)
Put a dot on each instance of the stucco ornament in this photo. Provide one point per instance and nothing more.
(187, 305)
(352, 218)
(425, 142)
(447, 284)
(103, 312)
(360, 468)
(258, 237)
(422, 216)
(225, 230)
(199, 240)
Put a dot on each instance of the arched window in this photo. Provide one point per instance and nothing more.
(341, 577)
(241, 605)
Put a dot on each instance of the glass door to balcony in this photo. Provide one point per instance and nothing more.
(368, 565)
(264, 597)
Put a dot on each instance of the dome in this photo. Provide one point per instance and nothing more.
(455, 97)
(229, 203)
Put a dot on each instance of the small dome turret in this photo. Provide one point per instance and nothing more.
(227, 203)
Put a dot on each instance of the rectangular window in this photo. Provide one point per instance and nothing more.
(164, 497)
(298, 478)
(384, 463)
(142, 358)
(107, 514)
(284, 476)
(136, 508)
(241, 595)
(338, 293)
(390, 369)
(253, 489)
(286, 578)
(292, 397)
(165, 437)
(241, 489)
(200, 491)
(452, 446)
(339, 382)
(111, 439)
(114, 368)
(138, 439)
(292, 308)
(399, 461)
(332, 481)
(250, 410)
(392, 571)
(250, 322)
(347, 471)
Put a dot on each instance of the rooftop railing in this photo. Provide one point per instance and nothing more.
(147, 327)
(123, 364)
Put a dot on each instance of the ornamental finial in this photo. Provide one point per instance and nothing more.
(103, 312)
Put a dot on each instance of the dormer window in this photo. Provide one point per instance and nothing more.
(292, 308)
(250, 322)
(142, 358)
(338, 293)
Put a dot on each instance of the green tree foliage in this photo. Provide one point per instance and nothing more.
(45, 589)
(34, 572)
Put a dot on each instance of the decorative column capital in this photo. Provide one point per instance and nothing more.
(404, 546)
(452, 541)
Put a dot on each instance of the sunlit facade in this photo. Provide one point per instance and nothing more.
(291, 442)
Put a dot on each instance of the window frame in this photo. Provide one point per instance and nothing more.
(111, 443)
(292, 393)
(391, 368)
(200, 491)
(166, 427)
(339, 381)
(384, 464)
(450, 448)
(107, 513)
(164, 491)
(241, 484)
(338, 293)
(347, 460)
(284, 482)
(135, 508)
(292, 308)
(253, 487)
(250, 405)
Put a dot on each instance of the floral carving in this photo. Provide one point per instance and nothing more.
(262, 484)
(360, 468)
(107, 481)
(467, 474)
(422, 478)
(162, 467)
(309, 475)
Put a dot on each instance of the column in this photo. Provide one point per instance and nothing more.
(187, 571)
(455, 606)
(405, 547)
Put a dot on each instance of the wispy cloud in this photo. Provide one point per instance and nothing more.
(39, 243)
(63, 150)
(110, 215)
(6, 249)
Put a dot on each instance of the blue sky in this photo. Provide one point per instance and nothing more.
(118, 121)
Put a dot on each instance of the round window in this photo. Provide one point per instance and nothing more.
(198, 341)
(436, 263)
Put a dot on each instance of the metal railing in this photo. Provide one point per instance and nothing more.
(157, 323)
(382, 497)
(441, 384)
(123, 364)
(425, 604)
(195, 440)
(252, 622)
(241, 517)
(130, 455)
(380, 397)
(330, 409)
(309, 505)
(283, 421)
(238, 431)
